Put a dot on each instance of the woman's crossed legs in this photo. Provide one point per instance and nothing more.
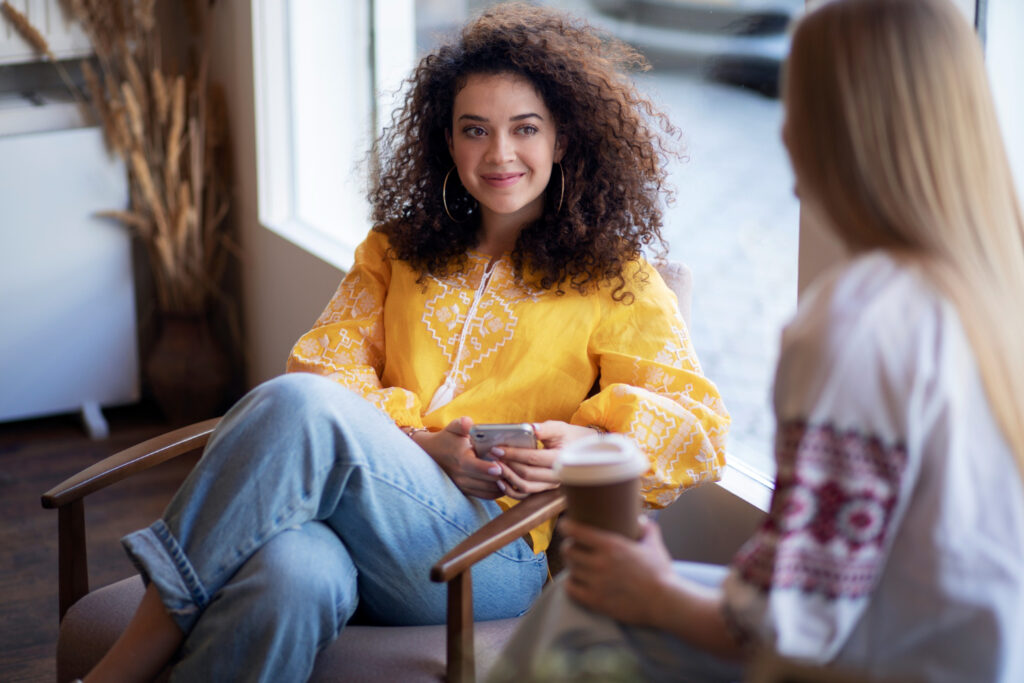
(307, 500)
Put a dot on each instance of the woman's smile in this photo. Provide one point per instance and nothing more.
(502, 179)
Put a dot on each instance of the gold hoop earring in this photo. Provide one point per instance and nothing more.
(444, 195)
(561, 193)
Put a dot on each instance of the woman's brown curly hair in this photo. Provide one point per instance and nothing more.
(613, 165)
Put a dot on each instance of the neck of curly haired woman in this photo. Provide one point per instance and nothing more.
(498, 234)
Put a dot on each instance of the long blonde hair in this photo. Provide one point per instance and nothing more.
(892, 130)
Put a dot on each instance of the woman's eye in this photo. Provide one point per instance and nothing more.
(474, 131)
(528, 130)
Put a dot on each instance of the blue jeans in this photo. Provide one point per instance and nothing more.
(307, 502)
(561, 640)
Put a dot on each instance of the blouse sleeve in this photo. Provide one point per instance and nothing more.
(802, 581)
(347, 342)
(653, 390)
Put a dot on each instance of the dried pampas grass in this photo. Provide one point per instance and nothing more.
(159, 95)
(171, 140)
(27, 31)
(38, 42)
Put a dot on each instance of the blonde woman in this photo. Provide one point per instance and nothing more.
(895, 540)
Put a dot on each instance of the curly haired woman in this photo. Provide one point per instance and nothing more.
(517, 188)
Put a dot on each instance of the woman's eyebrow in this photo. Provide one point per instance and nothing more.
(484, 119)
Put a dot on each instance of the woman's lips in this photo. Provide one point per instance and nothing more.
(502, 179)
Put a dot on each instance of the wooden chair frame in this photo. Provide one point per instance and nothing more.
(453, 569)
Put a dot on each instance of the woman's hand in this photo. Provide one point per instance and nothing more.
(634, 582)
(452, 450)
(529, 470)
(627, 580)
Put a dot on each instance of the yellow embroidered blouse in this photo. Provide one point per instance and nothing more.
(478, 343)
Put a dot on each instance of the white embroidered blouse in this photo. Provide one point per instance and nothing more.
(895, 541)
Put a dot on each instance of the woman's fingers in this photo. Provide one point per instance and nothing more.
(451, 449)
(527, 470)
(588, 546)
(535, 474)
(513, 478)
(579, 591)
(555, 433)
(535, 457)
(521, 484)
(477, 477)
(512, 492)
(476, 468)
(580, 557)
(460, 426)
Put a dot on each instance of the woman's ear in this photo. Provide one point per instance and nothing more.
(448, 139)
(560, 145)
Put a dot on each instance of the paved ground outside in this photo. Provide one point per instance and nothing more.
(735, 223)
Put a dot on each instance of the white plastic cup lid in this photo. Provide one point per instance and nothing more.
(600, 459)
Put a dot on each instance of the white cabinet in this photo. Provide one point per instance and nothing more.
(67, 300)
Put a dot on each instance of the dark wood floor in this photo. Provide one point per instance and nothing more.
(34, 456)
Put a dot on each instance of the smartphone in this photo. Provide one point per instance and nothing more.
(484, 437)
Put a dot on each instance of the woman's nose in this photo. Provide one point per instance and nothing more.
(501, 150)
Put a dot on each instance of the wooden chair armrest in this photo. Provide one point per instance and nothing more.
(124, 463)
(72, 557)
(499, 532)
(453, 569)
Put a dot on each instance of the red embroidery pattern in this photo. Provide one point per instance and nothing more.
(834, 497)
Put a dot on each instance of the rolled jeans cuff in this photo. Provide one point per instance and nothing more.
(161, 561)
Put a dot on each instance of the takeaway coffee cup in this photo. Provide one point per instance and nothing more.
(601, 478)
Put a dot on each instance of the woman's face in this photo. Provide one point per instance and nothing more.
(504, 142)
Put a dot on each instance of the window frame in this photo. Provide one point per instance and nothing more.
(390, 25)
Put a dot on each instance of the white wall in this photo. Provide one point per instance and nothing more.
(284, 288)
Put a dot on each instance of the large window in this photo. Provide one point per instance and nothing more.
(324, 71)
